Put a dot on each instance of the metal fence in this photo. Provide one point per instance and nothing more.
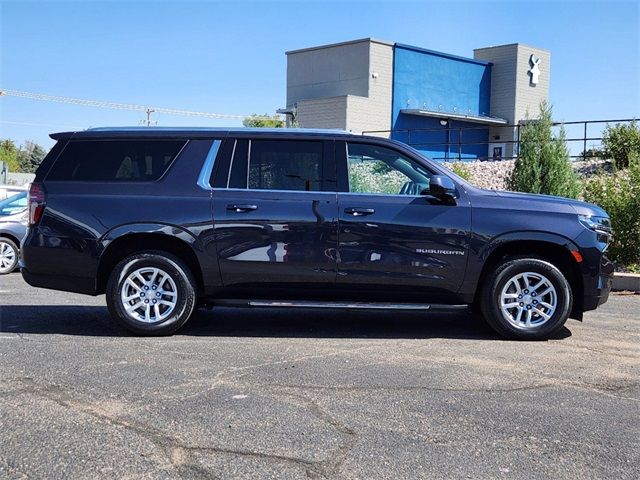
(583, 138)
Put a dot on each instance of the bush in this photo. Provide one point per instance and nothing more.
(620, 142)
(366, 177)
(544, 165)
(460, 169)
(619, 195)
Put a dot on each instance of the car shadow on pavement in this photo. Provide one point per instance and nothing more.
(259, 322)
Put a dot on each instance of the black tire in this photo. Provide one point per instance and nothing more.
(490, 303)
(179, 274)
(7, 245)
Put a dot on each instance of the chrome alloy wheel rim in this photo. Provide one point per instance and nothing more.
(7, 257)
(528, 300)
(149, 295)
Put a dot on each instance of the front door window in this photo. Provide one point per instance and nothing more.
(379, 170)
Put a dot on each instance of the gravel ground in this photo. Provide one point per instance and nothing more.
(313, 394)
(493, 175)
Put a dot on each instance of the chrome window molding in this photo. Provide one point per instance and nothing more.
(382, 195)
(218, 189)
(248, 163)
(207, 168)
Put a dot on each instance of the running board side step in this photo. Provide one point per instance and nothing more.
(355, 305)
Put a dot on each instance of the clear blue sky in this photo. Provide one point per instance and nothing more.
(228, 57)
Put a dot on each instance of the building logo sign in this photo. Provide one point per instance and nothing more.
(534, 71)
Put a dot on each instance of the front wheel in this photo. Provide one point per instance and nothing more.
(526, 298)
(151, 293)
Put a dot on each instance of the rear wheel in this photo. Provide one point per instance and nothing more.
(526, 298)
(151, 293)
(8, 256)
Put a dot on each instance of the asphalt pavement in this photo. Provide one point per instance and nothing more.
(264, 393)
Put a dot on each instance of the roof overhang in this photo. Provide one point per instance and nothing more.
(455, 116)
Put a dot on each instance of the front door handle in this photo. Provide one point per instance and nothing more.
(359, 212)
(241, 208)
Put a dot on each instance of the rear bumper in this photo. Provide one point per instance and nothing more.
(64, 283)
(58, 263)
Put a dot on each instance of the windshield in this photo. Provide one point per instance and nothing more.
(14, 204)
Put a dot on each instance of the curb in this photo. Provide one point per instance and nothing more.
(626, 281)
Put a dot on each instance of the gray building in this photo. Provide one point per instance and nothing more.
(345, 85)
(445, 105)
(515, 93)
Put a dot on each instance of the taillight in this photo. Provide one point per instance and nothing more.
(36, 202)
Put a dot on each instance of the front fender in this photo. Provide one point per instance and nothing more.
(482, 249)
(522, 236)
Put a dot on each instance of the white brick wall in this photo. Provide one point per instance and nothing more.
(512, 94)
(374, 111)
(528, 97)
(323, 113)
(355, 76)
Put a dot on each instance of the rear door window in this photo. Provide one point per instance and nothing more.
(295, 165)
(115, 160)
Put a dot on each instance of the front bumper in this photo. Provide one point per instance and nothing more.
(597, 286)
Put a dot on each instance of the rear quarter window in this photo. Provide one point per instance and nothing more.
(115, 160)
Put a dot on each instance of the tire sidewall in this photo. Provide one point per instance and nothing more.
(13, 245)
(184, 285)
(503, 274)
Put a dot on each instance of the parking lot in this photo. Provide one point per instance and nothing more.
(263, 393)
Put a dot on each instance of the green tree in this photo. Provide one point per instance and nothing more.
(544, 164)
(30, 157)
(620, 142)
(263, 121)
(619, 194)
(9, 155)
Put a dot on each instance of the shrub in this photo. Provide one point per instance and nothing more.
(460, 169)
(620, 142)
(366, 177)
(544, 164)
(619, 195)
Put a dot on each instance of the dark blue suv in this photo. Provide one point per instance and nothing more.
(167, 220)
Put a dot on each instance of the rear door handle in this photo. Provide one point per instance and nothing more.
(359, 212)
(243, 208)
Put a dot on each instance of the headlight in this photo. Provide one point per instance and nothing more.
(600, 225)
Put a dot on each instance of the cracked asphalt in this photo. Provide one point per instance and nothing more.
(259, 393)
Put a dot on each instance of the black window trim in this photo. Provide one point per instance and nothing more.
(121, 139)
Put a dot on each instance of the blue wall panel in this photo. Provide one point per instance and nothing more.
(427, 80)
(457, 140)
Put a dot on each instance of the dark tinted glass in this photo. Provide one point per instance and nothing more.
(238, 176)
(115, 160)
(220, 173)
(285, 165)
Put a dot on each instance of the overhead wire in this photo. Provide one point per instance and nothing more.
(125, 106)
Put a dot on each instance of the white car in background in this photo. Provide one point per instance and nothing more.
(7, 191)
(14, 219)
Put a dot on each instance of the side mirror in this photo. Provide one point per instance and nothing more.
(442, 187)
